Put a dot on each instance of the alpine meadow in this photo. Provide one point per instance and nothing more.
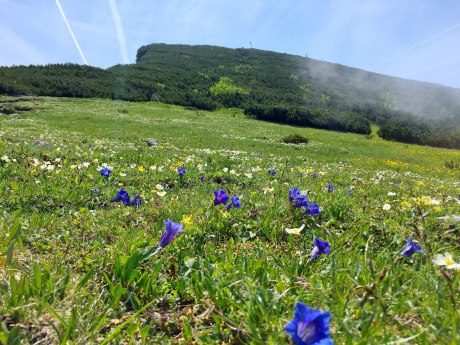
(145, 222)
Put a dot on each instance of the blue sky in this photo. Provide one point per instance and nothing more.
(410, 39)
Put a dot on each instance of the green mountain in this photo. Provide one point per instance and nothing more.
(267, 85)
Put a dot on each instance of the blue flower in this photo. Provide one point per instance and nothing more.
(220, 197)
(319, 247)
(309, 326)
(312, 209)
(181, 171)
(299, 174)
(293, 194)
(313, 175)
(411, 248)
(272, 171)
(172, 229)
(348, 192)
(330, 188)
(354, 178)
(202, 177)
(300, 201)
(137, 201)
(105, 172)
(235, 203)
(122, 196)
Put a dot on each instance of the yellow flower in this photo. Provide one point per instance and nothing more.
(224, 214)
(187, 219)
(141, 168)
(405, 204)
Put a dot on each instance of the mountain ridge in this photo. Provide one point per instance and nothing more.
(268, 85)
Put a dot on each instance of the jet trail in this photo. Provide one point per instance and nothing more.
(119, 28)
(71, 32)
(416, 46)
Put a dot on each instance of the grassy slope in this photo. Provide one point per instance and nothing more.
(232, 275)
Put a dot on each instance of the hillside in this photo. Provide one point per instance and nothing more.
(267, 85)
(78, 265)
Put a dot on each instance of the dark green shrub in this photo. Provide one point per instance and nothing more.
(295, 139)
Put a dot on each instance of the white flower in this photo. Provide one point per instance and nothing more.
(159, 187)
(446, 260)
(5, 158)
(268, 190)
(161, 193)
(386, 207)
(248, 175)
(85, 164)
(391, 193)
(225, 169)
(232, 172)
(295, 231)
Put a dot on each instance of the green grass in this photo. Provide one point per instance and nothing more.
(74, 266)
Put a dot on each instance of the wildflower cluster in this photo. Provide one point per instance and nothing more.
(299, 201)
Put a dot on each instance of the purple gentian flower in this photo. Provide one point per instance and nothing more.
(354, 178)
(312, 209)
(272, 171)
(293, 194)
(137, 201)
(330, 188)
(300, 201)
(299, 174)
(235, 203)
(172, 229)
(309, 326)
(202, 177)
(105, 172)
(181, 171)
(411, 248)
(122, 196)
(313, 175)
(220, 197)
(319, 247)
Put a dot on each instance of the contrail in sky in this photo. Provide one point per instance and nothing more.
(71, 32)
(416, 46)
(119, 28)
